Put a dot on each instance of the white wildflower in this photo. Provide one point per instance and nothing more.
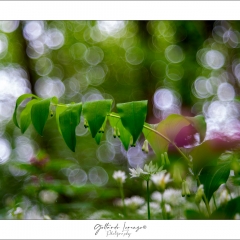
(146, 172)
(48, 196)
(173, 197)
(237, 216)
(161, 179)
(154, 208)
(168, 208)
(136, 172)
(156, 196)
(119, 176)
(151, 168)
(18, 211)
(101, 214)
(224, 197)
(133, 202)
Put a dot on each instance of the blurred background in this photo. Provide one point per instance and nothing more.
(183, 67)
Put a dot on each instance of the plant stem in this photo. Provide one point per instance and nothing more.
(148, 201)
(122, 196)
(204, 197)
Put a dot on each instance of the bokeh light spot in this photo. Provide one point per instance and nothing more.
(98, 176)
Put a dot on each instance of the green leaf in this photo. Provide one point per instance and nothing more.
(68, 120)
(133, 115)
(99, 135)
(124, 134)
(199, 124)
(213, 176)
(228, 211)
(95, 112)
(25, 116)
(59, 110)
(18, 102)
(39, 114)
(194, 215)
(169, 128)
(207, 153)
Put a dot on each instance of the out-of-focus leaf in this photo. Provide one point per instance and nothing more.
(39, 114)
(213, 176)
(207, 153)
(194, 215)
(68, 120)
(25, 116)
(200, 125)
(59, 110)
(169, 127)
(124, 134)
(228, 211)
(133, 115)
(18, 102)
(95, 113)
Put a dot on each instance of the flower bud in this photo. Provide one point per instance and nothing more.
(101, 130)
(85, 123)
(199, 194)
(145, 146)
(185, 189)
(118, 133)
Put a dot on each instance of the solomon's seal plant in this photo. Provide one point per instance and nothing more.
(128, 123)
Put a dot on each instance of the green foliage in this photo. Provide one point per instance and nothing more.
(18, 102)
(228, 211)
(99, 135)
(59, 110)
(213, 176)
(68, 121)
(200, 125)
(169, 128)
(133, 115)
(25, 116)
(194, 215)
(206, 154)
(95, 112)
(39, 114)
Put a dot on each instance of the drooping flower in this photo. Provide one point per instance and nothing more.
(199, 194)
(185, 189)
(119, 176)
